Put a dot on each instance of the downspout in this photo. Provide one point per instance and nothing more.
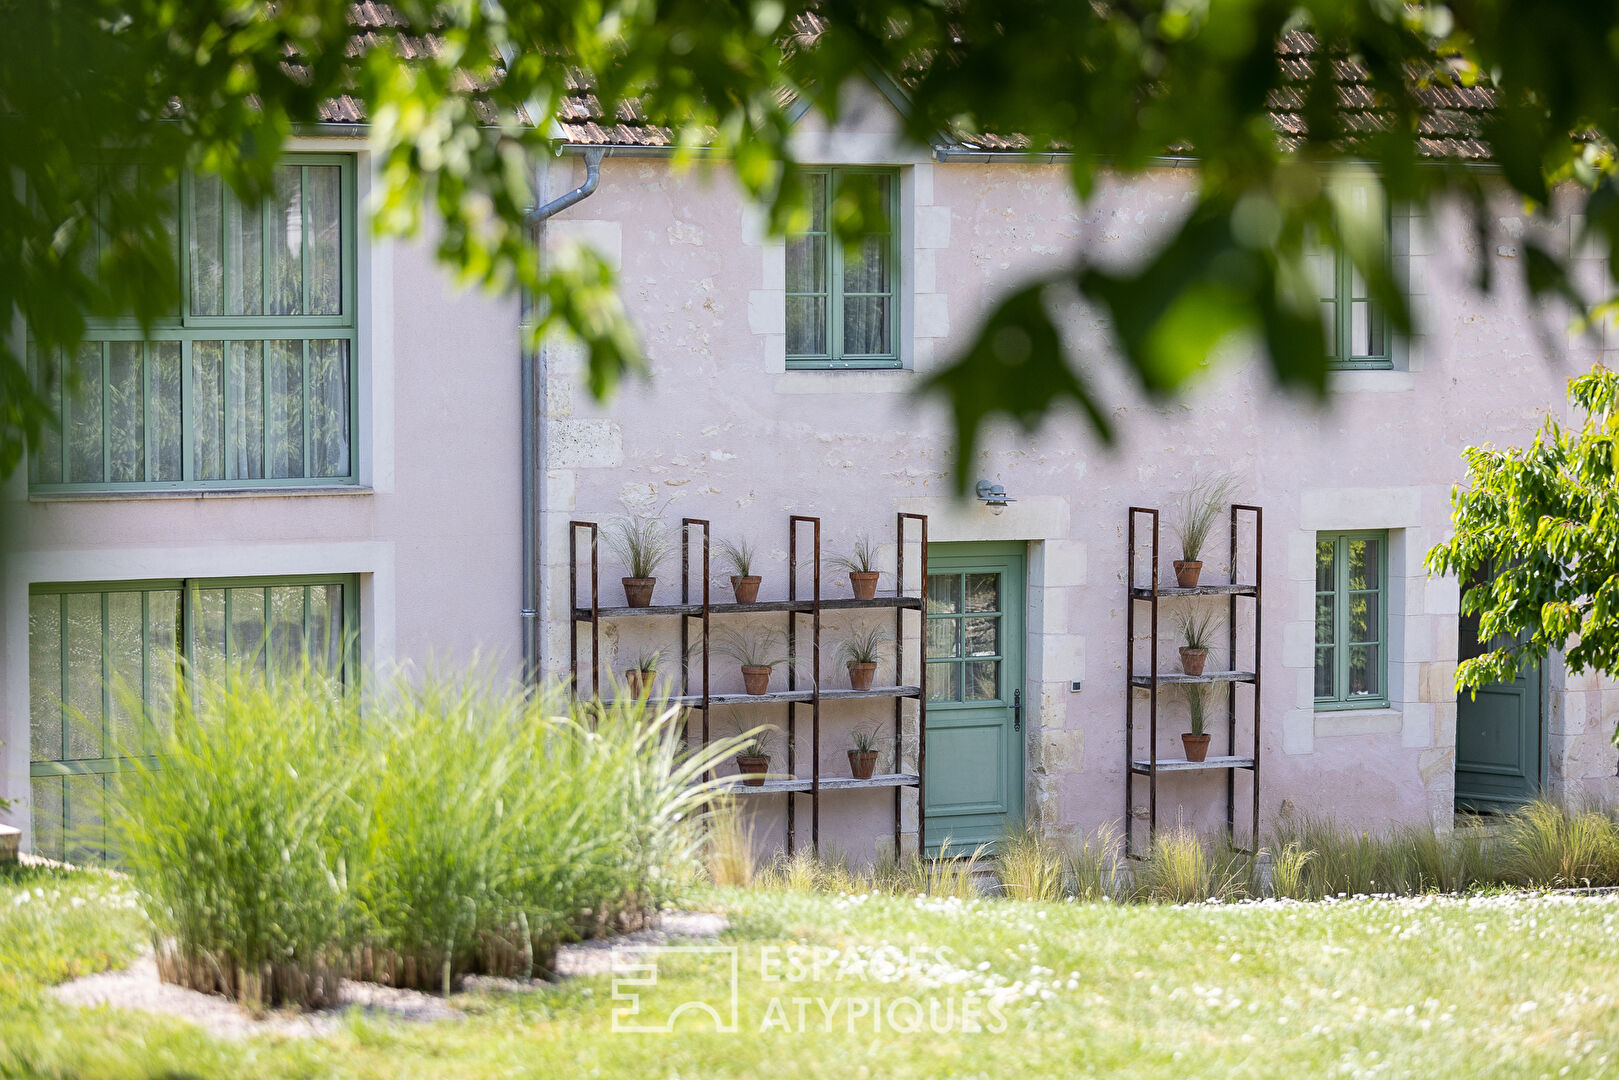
(534, 405)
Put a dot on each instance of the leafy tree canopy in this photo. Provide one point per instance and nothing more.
(220, 85)
(1537, 543)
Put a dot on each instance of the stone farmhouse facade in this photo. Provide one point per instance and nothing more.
(330, 441)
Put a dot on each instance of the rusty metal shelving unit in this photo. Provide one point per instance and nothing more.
(1151, 765)
(696, 611)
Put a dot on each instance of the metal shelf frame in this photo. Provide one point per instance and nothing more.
(1150, 765)
(696, 611)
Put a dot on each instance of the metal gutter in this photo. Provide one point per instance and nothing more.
(593, 174)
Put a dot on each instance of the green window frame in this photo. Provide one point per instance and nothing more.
(843, 306)
(252, 383)
(90, 643)
(1351, 620)
(1357, 334)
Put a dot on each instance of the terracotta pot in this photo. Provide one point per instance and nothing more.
(1187, 573)
(864, 584)
(861, 675)
(746, 588)
(1197, 746)
(638, 591)
(756, 680)
(862, 763)
(1192, 660)
(753, 769)
(639, 682)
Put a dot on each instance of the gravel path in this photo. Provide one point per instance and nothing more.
(138, 987)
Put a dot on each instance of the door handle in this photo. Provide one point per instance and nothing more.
(1017, 710)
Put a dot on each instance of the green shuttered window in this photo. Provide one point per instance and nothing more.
(251, 383)
(92, 649)
(842, 302)
(1351, 620)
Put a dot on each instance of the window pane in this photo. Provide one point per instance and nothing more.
(45, 678)
(806, 264)
(1329, 319)
(806, 326)
(286, 242)
(1363, 670)
(1325, 566)
(1365, 330)
(286, 635)
(865, 325)
(126, 420)
(1364, 559)
(944, 682)
(207, 258)
(163, 358)
(45, 794)
(1323, 672)
(247, 626)
(325, 184)
(1363, 617)
(983, 680)
(208, 636)
(1322, 266)
(84, 462)
(983, 636)
(815, 185)
(944, 637)
(326, 627)
(284, 406)
(208, 409)
(944, 594)
(246, 388)
(125, 672)
(983, 592)
(865, 267)
(162, 656)
(244, 258)
(86, 833)
(328, 392)
(84, 679)
(45, 464)
(1325, 610)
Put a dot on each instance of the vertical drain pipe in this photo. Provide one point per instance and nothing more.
(533, 406)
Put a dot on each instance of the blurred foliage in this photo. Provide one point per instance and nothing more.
(1536, 543)
(208, 84)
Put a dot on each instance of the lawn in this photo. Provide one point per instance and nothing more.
(838, 986)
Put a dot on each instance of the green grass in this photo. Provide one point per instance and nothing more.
(1494, 986)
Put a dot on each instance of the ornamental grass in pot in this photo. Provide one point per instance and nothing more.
(863, 755)
(753, 756)
(639, 679)
(861, 566)
(860, 652)
(1196, 741)
(738, 558)
(1201, 505)
(641, 543)
(1197, 633)
(758, 652)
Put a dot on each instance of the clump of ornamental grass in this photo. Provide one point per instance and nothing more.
(949, 875)
(805, 871)
(241, 836)
(1030, 866)
(1547, 845)
(285, 841)
(1094, 864)
(728, 851)
(1201, 504)
(1181, 868)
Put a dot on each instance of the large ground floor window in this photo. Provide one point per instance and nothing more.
(95, 649)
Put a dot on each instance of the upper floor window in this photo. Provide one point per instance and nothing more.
(842, 301)
(251, 382)
(1356, 334)
(1351, 620)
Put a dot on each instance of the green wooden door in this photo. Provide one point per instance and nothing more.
(975, 634)
(1498, 736)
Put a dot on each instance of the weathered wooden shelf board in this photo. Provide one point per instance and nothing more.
(1145, 593)
(1145, 681)
(1143, 765)
(828, 783)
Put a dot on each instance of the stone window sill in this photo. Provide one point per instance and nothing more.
(199, 493)
(1358, 722)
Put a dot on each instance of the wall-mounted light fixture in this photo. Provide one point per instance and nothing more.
(993, 496)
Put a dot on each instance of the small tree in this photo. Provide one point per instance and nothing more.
(1537, 543)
